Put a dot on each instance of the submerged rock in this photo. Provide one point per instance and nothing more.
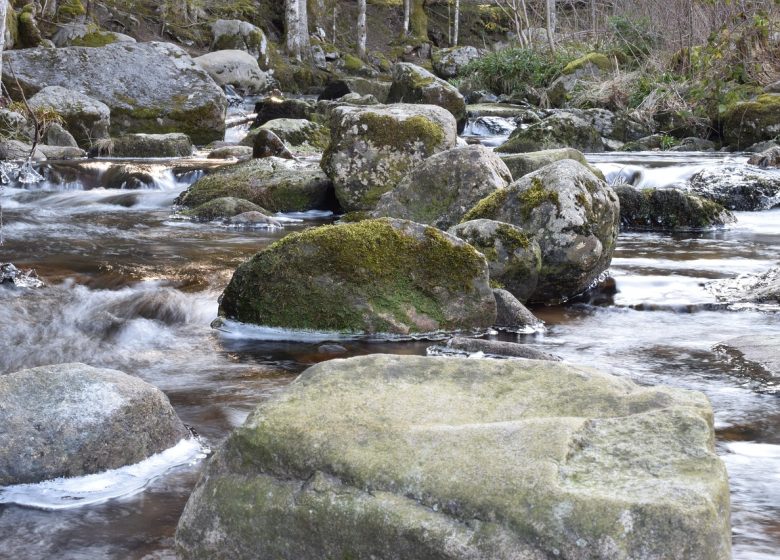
(373, 148)
(756, 357)
(373, 276)
(12, 276)
(280, 185)
(171, 145)
(514, 258)
(668, 210)
(442, 188)
(413, 84)
(499, 348)
(72, 419)
(224, 207)
(738, 187)
(571, 213)
(523, 164)
(149, 87)
(560, 130)
(87, 119)
(408, 457)
(253, 219)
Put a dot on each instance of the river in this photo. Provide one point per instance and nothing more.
(131, 287)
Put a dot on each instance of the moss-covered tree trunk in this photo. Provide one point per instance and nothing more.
(419, 20)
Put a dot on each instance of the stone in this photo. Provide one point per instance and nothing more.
(230, 34)
(265, 143)
(668, 210)
(12, 276)
(253, 219)
(235, 68)
(442, 188)
(300, 134)
(511, 314)
(373, 148)
(274, 107)
(171, 145)
(748, 122)
(70, 420)
(367, 277)
(560, 130)
(514, 258)
(521, 113)
(755, 357)
(749, 288)
(765, 159)
(523, 164)
(647, 143)
(413, 84)
(572, 214)
(241, 153)
(58, 136)
(498, 348)
(61, 152)
(220, 208)
(448, 63)
(692, 144)
(334, 90)
(366, 86)
(149, 87)
(738, 187)
(14, 125)
(17, 150)
(592, 66)
(409, 457)
(280, 185)
(85, 118)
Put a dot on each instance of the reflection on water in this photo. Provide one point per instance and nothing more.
(130, 287)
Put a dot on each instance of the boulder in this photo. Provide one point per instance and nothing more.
(520, 113)
(749, 288)
(755, 356)
(514, 258)
(373, 148)
(85, 118)
(448, 63)
(75, 34)
(233, 34)
(511, 314)
(572, 214)
(220, 208)
(253, 219)
(372, 276)
(274, 107)
(442, 188)
(498, 348)
(767, 158)
(149, 87)
(240, 153)
(58, 136)
(523, 164)
(408, 457)
(738, 187)
(668, 210)
(748, 122)
(412, 84)
(560, 130)
(72, 419)
(647, 143)
(302, 134)
(280, 185)
(615, 126)
(12, 276)
(17, 150)
(592, 66)
(62, 152)
(692, 144)
(171, 145)
(235, 68)
(267, 144)
(366, 86)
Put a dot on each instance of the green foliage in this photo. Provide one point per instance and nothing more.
(517, 70)
(668, 142)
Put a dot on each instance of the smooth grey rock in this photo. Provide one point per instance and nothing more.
(234, 68)
(511, 313)
(170, 145)
(241, 35)
(560, 130)
(756, 356)
(17, 150)
(86, 118)
(72, 419)
(523, 164)
(62, 152)
(58, 136)
(499, 348)
(738, 187)
(448, 63)
(406, 457)
(253, 219)
(240, 153)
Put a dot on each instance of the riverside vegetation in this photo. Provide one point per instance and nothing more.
(247, 217)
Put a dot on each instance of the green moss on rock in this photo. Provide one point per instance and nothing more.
(601, 61)
(70, 10)
(535, 196)
(224, 207)
(94, 39)
(749, 122)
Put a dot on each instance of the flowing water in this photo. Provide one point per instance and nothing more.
(131, 287)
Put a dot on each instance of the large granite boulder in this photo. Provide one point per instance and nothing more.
(11, 150)
(738, 187)
(85, 118)
(407, 457)
(235, 68)
(72, 419)
(748, 122)
(280, 185)
(514, 258)
(149, 87)
(373, 276)
(668, 210)
(234, 34)
(592, 66)
(442, 188)
(373, 148)
(173, 145)
(412, 84)
(222, 208)
(523, 164)
(448, 63)
(560, 130)
(574, 216)
(300, 134)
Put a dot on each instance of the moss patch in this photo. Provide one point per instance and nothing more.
(94, 39)
(487, 207)
(601, 61)
(535, 196)
(388, 132)
(70, 10)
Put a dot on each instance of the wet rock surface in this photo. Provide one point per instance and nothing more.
(738, 187)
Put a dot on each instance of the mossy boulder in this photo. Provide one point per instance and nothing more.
(523, 164)
(738, 187)
(373, 148)
(571, 213)
(235, 68)
(766, 158)
(68, 10)
(372, 276)
(668, 210)
(560, 130)
(748, 122)
(300, 134)
(29, 36)
(234, 34)
(448, 63)
(364, 86)
(75, 34)
(409, 457)
(86, 118)
(152, 88)
(241, 153)
(442, 188)
(592, 66)
(171, 145)
(413, 84)
(220, 208)
(265, 143)
(280, 185)
(514, 257)
(273, 107)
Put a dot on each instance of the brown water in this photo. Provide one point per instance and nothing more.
(133, 289)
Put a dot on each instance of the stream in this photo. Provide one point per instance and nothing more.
(131, 287)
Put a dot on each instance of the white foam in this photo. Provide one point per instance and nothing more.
(67, 493)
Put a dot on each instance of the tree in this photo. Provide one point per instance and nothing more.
(407, 10)
(361, 29)
(456, 24)
(303, 28)
(297, 27)
(3, 10)
(551, 22)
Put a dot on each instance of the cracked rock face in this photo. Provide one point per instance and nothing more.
(409, 457)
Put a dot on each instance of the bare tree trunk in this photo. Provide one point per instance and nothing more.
(361, 29)
(551, 21)
(293, 28)
(456, 24)
(593, 22)
(3, 10)
(407, 10)
(303, 28)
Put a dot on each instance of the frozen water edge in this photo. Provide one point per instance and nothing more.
(68, 493)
